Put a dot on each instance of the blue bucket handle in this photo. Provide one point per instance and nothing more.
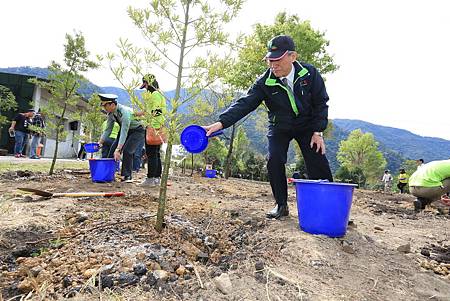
(216, 133)
(309, 181)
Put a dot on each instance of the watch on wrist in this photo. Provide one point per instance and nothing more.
(320, 134)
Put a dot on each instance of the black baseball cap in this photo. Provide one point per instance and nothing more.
(148, 79)
(279, 46)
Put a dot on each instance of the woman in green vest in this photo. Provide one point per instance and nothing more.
(402, 180)
(155, 104)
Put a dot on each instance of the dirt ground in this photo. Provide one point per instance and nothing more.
(216, 245)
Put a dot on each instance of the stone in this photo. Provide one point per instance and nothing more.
(107, 269)
(202, 257)
(190, 249)
(259, 265)
(127, 279)
(89, 273)
(67, 281)
(25, 286)
(189, 267)
(347, 248)
(151, 279)
(106, 281)
(28, 198)
(215, 256)
(181, 270)
(81, 216)
(166, 266)
(223, 283)
(260, 277)
(215, 273)
(127, 262)
(139, 269)
(376, 227)
(106, 261)
(161, 275)
(404, 248)
(209, 241)
(173, 278)
(73, 292)
(154, 266)
(140, 256)
(425, 252)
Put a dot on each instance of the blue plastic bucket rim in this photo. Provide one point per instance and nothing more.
(102, 159)
(199, 135)
(326, 182)
(91, 147)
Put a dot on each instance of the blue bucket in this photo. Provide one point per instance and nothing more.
(102, 170)
(324, 207)
(194, 139)
(91, 147)
(210, 173)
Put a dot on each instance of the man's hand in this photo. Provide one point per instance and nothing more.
(213, 128)
(318, 141)
(117, 154)
(100, 143)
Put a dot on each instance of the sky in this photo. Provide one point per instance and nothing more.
(393, 55)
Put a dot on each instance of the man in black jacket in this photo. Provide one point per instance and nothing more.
(296, 97)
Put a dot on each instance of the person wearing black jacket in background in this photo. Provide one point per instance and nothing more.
(19, 127)
(296, 98)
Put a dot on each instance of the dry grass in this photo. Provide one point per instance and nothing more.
(41, 166)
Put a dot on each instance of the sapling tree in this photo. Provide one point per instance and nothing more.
(186, 40)
(63, 83)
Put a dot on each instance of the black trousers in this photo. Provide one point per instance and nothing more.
(317, 165)
(153, 161)
(106, 148)
(129, 148)
(401, 187)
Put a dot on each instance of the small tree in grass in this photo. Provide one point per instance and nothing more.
(180, 35)
(7, 103)
(63, 83)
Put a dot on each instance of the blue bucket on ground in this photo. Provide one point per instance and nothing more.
(324, 207)
(194, 139)
(210, 173)
(102, 170)
(91, 147)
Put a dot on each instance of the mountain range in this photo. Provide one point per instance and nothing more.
(396, 144)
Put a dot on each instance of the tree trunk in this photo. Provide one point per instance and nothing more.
(172, 127)
(55, 154)
(230, 153)
(163, 187)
